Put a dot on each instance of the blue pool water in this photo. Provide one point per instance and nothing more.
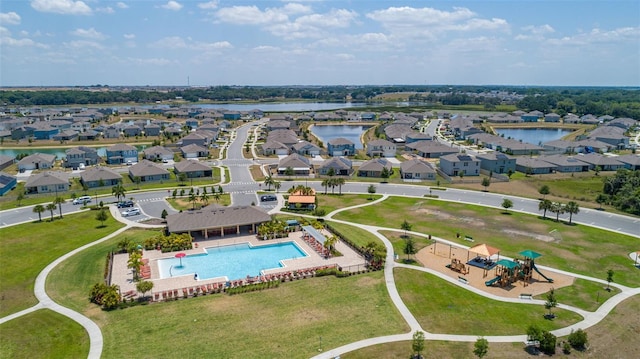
(232, 261)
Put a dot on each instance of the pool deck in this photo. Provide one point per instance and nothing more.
(123, 276)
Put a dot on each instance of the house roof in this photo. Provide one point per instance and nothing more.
(191, 166)
(597, 159)
(337, 163)
(121, 147)
(37, 158)
(495, 156)
(560, 160)
(216, 218)
(416, 166)
(274, 145)
(375, 165)
(629, 159)
(294, 161)
(99, 173)
(157, 150)
(533, 162)
(380, 143)
(146, 168)
(193, 148)
(305, 144)
(47, 178)
(340, 141)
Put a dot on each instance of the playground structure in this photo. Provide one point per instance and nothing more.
(458, 266)
(508, 271)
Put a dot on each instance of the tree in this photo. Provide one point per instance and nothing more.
(137, 180)
(578, 339)
(339, 182)
(417, 344)
(277, 185)
(371, 190)
(510, 173)
(486, 182)
(220, 190)
(135, 263)
(102, 216)
(216, 196)
(204, 198)
(602, 198)
(572, 208)
(38, 208)
(164, 214)
(597, 170)
(544, 191)
(118, 191)
(268, 181)
(551, 302)
(481, 347)
(182, 177)
(59, 201)
(507, 203)
(405, 226)
(144, 286)
(558, 209)
(548, 343)
(325, 184)
(534, 334)
(409, 247)
(544, 205)
(386, 173)
(609, 279)
(329, 242)
(20, 197)
(193, 198)
(289, 171)
(51, 207)
(174, 193)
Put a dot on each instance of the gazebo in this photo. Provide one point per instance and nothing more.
(484, 250)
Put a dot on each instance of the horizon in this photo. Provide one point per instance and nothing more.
(189, 43)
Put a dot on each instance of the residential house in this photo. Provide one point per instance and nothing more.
(604, 163)
(158, 153)
(192, 123)
(36, 161)
(122, 153)
(631, 161)
(497, 162)
(111, 132)
(194, 151)
(306, 148)
(368, 116)
(341, 147)
(552, 117)
(534, 166)
(100, 176)
(416, 136)
(591, 145)
(559, 146)
(192, 169)
(532, 116)
(381, 148)
(7, 182)
(623, 123)
(430, 149)
(278, 125)
(22, 132)
(274, 148)
(417, 169)
(152, 129)
(457, 163)
(88, 135)
(148, 171)
(47, 182)
(232, 115)
(6, 161)
(43, 131)
(87, 156)
(196, 139)
(340, 166)
(612, 135)
(374, 168)
(299, 164)
(397, 132)
(132, 131)
(286, 137)
(566, 163)
(66, 135)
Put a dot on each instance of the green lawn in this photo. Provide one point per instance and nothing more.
(583, 294)
(331, 202)
(182, 203)
(358, 236)
(29, 247)
(43, 334)
(441, 307)
(581, 249)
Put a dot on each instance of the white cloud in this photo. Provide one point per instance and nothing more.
(149, 61)
(129, 36)
(250, 15)
(83, 45)
(9, 18)
(65, 7)
(7, 40)
(176, 42)
(172, 5)
(106, 10)
(266, 48)
(90, 33)
(211, 5)
(122, 5)
(598, 36)
(345, 57)
(535, 32)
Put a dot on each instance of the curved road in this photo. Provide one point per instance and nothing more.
(243, 188)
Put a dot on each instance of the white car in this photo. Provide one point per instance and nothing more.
(131, 212)
(82, 200)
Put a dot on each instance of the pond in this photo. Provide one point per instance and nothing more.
(330, 132)
(534, 136)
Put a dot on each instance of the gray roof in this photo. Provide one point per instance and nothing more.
(337, 163)
(597, 159)
(38, 158)
(376, 164)
(193, 148)
(121, 147)
(416, 166)
(340, 141)
(216, 218)
(99, 173)
(146, 168)
(294, 161)
(561, 160)
(629, 159)
(157, 150)
(533, 162)
(47, 178)
(191, 166)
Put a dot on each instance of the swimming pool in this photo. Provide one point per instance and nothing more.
(231, 261)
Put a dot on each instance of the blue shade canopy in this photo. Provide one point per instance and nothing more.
(530, 254)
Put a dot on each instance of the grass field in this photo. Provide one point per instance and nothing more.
(182, 203)
(28, 248)
(582, 249)
(331, 202)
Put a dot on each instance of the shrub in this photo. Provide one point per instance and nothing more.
(578, 339)
(548, 343)
(566, 348)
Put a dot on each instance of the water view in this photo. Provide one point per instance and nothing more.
(330, 132)
(534, 136)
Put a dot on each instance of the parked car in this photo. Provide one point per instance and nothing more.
(131, 212)
(82, 200)
(125, 204)
(268, 198)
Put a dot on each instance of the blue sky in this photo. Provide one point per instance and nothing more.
(357, 42)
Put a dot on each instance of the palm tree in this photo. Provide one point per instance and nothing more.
(340, 181)
(333, 184)
(216, 196)
(59, 201)
(118, 191)
(277, 185)
(193, 198)
(572, 208)
(325, 184)
(544, 205)
(329, 242)
(558, 209)
(135, 263)
(204, 197)
(51, 207)
(268, 181)
(38, 208)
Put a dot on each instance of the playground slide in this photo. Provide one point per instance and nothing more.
(543, 276)
(490, 282)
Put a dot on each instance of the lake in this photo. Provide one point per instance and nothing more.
(534, 136)
(330, 132)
